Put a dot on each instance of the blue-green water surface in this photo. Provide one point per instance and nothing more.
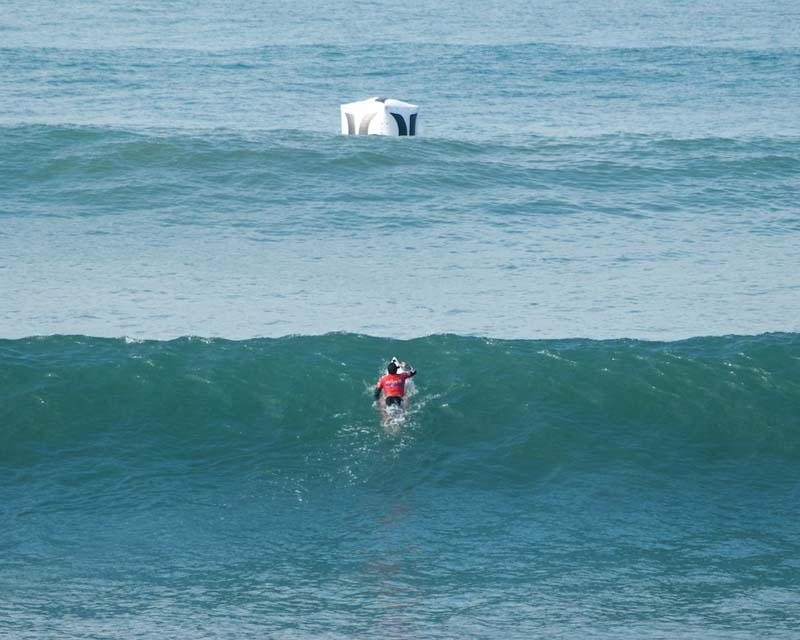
(591, 253)
(209, 488)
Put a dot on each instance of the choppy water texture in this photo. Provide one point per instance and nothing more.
(587, 177)
(172, 170)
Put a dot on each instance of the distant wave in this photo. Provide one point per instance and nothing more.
(64, 171)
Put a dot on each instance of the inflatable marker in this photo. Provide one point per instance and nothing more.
(379, 116)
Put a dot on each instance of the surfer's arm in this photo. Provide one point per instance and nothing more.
(377, 390)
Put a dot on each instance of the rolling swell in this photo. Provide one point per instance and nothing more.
(275, 182)
(275, 414)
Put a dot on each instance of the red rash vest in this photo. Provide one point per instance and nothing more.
(394, 384)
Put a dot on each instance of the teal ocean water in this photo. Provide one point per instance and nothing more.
(590, 252)
(568, 488)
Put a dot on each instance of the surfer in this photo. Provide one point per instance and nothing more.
(400, 365)
(393, 384)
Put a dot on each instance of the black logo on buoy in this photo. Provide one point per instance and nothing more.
(403, 129)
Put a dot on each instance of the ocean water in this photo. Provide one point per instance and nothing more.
(590, 252)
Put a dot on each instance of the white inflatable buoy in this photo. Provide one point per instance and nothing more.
(379, 116)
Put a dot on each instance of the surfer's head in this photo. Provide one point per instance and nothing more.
(391, 367)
